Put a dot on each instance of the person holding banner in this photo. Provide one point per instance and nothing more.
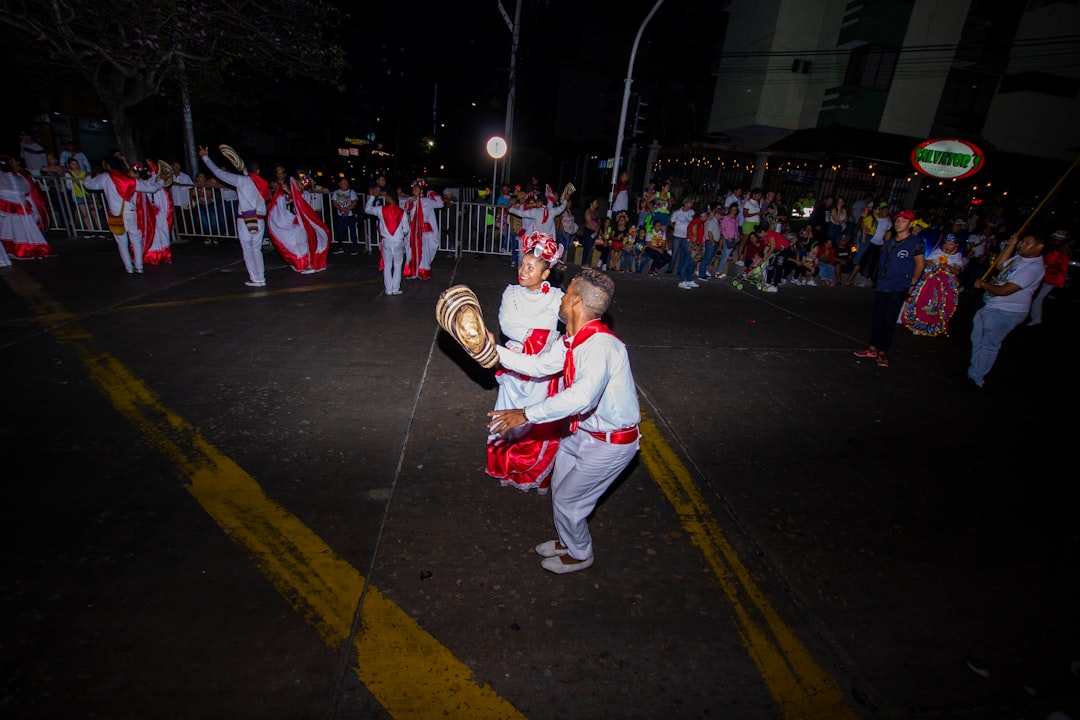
(1018, 272)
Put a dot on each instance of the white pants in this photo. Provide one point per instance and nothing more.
(251, 244)
(393, 256)
(1037, 303)
(584, 469)
(130, 244)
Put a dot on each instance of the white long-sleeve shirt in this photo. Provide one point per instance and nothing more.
(400, 234)
(103, 181)
(603, 393)
(248, 194)
(542, 219)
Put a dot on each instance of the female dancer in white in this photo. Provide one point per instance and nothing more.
(528, 317)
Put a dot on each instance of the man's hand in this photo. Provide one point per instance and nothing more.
(502, 421)
(202, 151)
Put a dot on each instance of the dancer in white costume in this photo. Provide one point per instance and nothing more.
(423, 230)
(393, 240)
(298, 233)
(529, 319)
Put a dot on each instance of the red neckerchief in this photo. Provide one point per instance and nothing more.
(125, 184)
(585, 332)
(392, 215)
(261, 185)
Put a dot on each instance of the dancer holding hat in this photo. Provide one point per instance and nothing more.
(598, 397)
(252, 193)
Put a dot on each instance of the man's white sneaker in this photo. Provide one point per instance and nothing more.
(768, 288)
(692, 284)
(685, 286)
(811, 283)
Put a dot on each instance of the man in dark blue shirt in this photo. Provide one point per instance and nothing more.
(899, 268)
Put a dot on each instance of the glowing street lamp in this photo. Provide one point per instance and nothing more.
(496, 148)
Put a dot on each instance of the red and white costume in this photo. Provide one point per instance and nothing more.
(298, 233)
(23, 221)
(123, 212)
(252, 192)
(529, 319)
(155, 215)
(423, 231)
(393, 242)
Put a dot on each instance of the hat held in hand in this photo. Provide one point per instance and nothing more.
(458, 313)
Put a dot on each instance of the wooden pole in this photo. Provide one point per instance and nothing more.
(1020, 233)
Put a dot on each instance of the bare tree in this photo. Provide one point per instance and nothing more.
(128, 51)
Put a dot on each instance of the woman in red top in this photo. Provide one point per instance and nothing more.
(826, 262)
(1056, 258)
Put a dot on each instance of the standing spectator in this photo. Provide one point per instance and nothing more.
(1056, 256)
(712, 242)
(729, 239)
(837, 221)
(344, 200)
(502, 222)
(394, 243)
(424, 234)
(588, 233)
(378, 188)
(528, 318)
(31, 153)
(566, 228)
(662, 204)
(819, 217)
(751, 217)
(869, 260)
(252, 193)
(621, 201)
(76, 177)
(680, 225)
(599, 397)
(71, 150)
(621, 256)
(1006, 301)
(902, 262)
(644, 218)
(183, 187)
(603, 242)
(203, 192)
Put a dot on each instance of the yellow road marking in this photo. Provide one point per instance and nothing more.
(395, 656)
(406, 669)
(802, 689)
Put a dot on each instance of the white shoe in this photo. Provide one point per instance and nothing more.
(550, 549)
(811, 283)
(692, 284)
(252, 283)
(309, 271)
(768, 288)
(556, 565)
(722, 276)
(740, 263)
(685, 286)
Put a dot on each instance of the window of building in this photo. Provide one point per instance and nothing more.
(871, 66)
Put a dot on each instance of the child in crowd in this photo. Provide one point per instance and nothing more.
(638, 251)
(619, 239)
(603, 242)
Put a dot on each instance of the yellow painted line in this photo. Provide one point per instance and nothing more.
(406, 669)
(802, 689)
(409, 672)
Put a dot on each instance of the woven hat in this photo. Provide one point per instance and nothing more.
(458, 313)
(233, 157)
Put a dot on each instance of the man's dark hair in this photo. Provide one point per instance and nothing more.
(596, 290)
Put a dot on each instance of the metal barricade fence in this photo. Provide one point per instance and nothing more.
(465, 227)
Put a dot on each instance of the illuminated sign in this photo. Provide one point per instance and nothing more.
(947, 159)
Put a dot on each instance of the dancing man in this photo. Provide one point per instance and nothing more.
(599, 397)
(394, 243)
(252, 193)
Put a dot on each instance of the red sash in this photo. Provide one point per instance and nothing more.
(584, 333)
(261, 185)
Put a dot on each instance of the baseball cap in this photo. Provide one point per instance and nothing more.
(951, 238)
(905, 214)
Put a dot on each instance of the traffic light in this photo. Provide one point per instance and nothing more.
(641, 116)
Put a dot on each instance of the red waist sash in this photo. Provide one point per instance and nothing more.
(617, 437)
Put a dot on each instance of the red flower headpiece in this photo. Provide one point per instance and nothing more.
(419, 182)
(543, 247)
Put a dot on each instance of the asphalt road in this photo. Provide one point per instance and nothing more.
(235, 503)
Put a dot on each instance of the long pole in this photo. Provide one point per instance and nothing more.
(626, 101)
(511, 95)
(494, 208)
(1020, 233)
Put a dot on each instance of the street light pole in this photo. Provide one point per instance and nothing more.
(515, 31)
(626, 101)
